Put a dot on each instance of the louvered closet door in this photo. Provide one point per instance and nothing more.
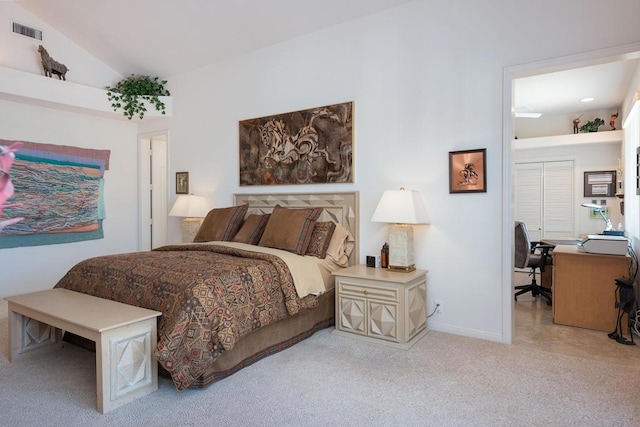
(544, 198)
(558, 200)
(528, 197)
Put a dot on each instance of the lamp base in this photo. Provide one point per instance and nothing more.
(190, 227)
(399, 268)
(401, 248)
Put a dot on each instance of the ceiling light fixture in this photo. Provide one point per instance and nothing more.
(528, 115)
(586, 100)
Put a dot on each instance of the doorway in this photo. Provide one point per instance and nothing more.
(510, 74)
(152, 190)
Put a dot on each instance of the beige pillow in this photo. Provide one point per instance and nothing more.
(290, 229)
(221, 224)
(252, 229)
(340, 246)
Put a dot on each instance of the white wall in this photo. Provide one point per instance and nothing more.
(21, 53)
(40, 267)
(33, 268)
(586, 157)
(426, 79)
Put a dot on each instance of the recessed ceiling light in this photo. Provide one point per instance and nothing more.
(528, 115)
(586, 100)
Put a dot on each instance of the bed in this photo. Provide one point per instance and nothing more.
(243, 290)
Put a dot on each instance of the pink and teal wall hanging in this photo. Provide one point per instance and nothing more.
(59, 191)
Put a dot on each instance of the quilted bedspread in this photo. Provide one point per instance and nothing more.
(210, 297)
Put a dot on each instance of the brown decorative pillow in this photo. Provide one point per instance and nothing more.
(290, 229)
(221, 224)
(252, 229)
(320, 238)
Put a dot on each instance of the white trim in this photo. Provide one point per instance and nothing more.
(465, 332)
(506, 265)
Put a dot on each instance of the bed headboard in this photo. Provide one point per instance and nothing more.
(341, 208)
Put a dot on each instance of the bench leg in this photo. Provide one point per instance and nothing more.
(27, 334)
(126, 368)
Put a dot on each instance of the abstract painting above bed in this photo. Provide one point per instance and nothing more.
(301, 147)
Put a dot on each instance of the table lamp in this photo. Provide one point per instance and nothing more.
(193, 209)
(401, 208)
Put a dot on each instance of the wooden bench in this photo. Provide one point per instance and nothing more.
(125, 337)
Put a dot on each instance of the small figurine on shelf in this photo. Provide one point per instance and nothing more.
(612, 121)
(51, 66)
(384, 256)
(576, 122)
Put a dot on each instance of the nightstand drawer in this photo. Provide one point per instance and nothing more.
(368, 290)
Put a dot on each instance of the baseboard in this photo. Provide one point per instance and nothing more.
(466, 332)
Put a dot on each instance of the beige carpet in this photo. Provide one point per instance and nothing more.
(327, 380)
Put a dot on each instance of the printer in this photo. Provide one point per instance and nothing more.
(604, 244)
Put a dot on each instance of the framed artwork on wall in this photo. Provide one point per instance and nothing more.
(313, 146)
(182, 182)
(468, 171)
(600, 184)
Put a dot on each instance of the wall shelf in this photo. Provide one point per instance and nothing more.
(604, 137)
(28, 88)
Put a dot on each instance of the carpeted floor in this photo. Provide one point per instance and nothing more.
(328, 380)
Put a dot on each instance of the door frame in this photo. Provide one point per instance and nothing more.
(511, 73)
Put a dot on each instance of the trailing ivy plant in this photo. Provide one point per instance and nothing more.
(130, 93)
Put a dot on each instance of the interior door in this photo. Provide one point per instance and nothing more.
(152, 190)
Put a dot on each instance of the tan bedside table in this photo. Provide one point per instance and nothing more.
(383, 306)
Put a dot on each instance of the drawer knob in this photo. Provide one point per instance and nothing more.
(365, 292)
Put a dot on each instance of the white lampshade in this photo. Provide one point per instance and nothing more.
(190, 206)
(401, 207)
(193, 209)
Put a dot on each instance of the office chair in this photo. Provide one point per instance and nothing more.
(526, 256)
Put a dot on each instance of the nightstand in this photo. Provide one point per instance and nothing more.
(382, 306)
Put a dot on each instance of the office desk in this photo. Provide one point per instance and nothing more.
(584, 287)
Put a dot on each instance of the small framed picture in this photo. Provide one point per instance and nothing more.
(600, 184)
(468, 171)
(182, 182)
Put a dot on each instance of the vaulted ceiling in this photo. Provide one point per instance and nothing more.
(168, 37)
